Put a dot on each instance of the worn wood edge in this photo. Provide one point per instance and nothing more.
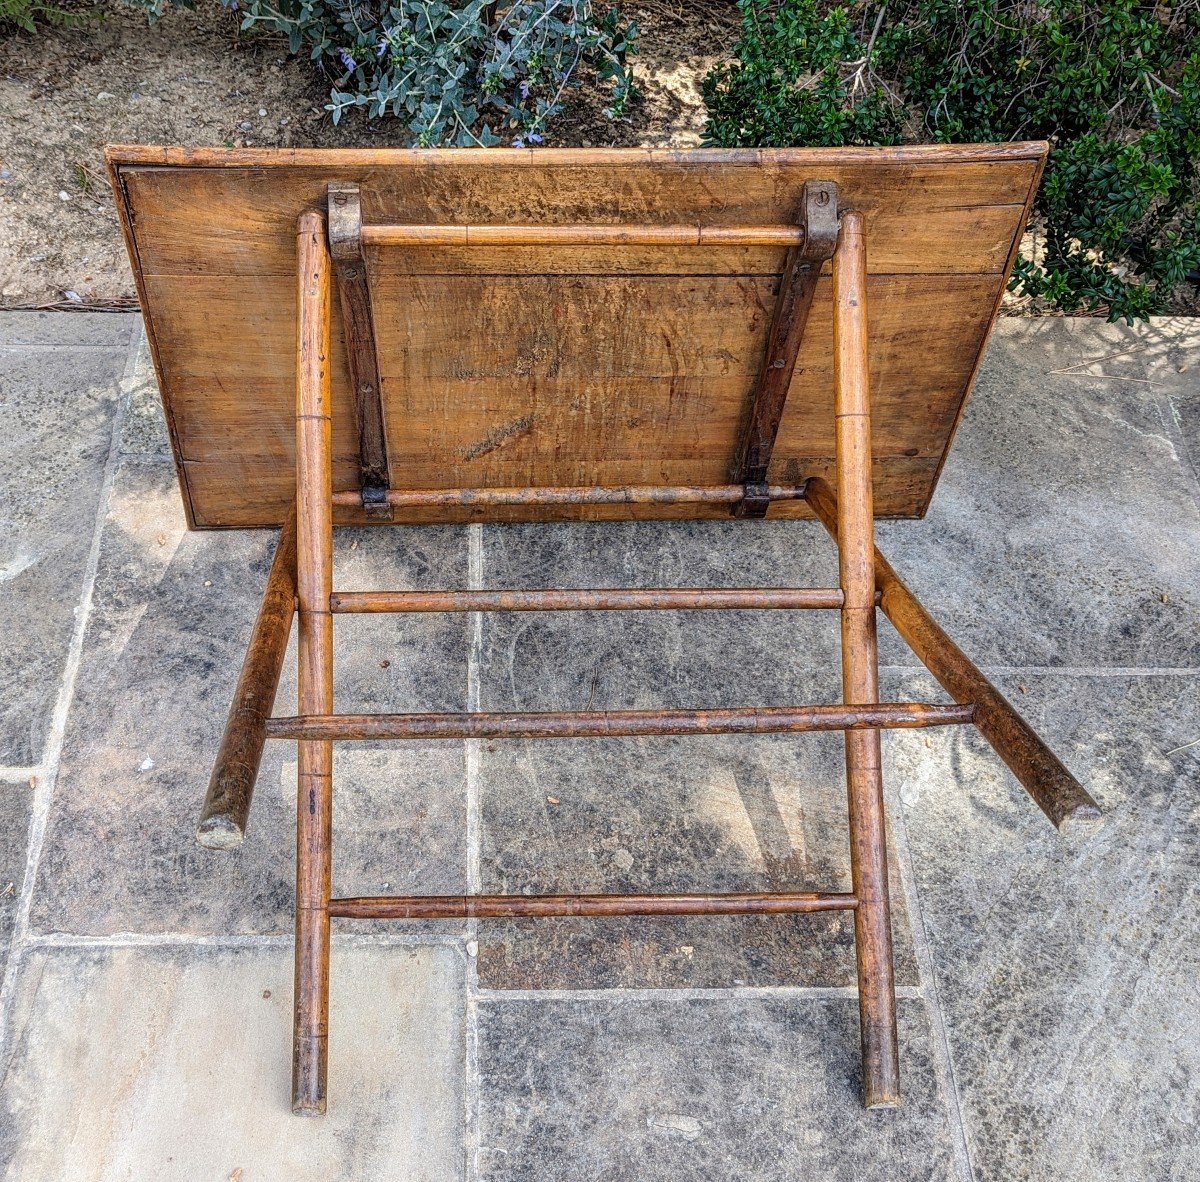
(1014, 250)
(125, 217)
(134, 155)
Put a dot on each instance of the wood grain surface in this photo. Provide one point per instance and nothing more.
(544, 365)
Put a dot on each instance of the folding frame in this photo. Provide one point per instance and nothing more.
(334, 245)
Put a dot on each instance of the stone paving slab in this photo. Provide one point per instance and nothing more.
(175, 1064)
(1058, 979)
(110, 330)
(712, 1089)
(171, 615)
(1063, 532)
(15, 802)
(1068, 972)
(706, 656)
(720, 813)
(56, 422)
(144, 427)
(696, 814)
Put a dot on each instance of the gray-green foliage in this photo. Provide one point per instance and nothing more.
(26, 14)
(465, 73)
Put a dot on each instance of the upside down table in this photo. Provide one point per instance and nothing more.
(565, 335)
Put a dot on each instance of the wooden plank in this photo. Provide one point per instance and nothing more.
(1027, 211)
(464, 159)
(505, 389)
(958, 239)
(556, 378)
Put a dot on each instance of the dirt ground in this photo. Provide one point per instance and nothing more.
(191, 80)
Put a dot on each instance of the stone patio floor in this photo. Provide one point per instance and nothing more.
(1048, 990)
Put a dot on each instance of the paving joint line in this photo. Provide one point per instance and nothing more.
(1178, 441)
(43, 793)
(689, 993)
(943, 1059)
(35, 348)
(472, 754)
(71, 940)
(1066, 670)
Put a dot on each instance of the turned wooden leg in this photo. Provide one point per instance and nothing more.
(226, 810)
(314, 545)
(860, 670)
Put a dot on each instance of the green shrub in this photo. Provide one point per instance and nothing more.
(1114, 85)
(468, 73)
(25, 14)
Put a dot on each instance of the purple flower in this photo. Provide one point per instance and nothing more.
(347, 60)
(534, 138)
(383, 47)
(524, 89)
(518, 142)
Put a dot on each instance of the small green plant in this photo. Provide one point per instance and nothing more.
(1114, 85)
(460, 72)
(26, 14)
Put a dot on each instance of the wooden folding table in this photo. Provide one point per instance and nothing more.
(413, 337)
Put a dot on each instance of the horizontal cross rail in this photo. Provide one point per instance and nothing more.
(580, 724)
(515, 906)
(681, 234)
(608, 599)
(633, 494)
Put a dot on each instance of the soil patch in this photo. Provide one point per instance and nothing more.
(190, 79)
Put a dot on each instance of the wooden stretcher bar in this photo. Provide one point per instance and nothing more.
(526, 906)
(610, 724)
(584, 235)
(599, 599)
(720, 494)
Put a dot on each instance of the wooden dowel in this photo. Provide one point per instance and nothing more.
(434, 498)
(1041, 773)
(517, 906)
(688, 234)
(610, 599)
(860, 670)
(314, 580)
(607, 724)
(226, 808)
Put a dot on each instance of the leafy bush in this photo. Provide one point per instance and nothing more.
(26, 13)
(467, 72)
(1114, 85)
